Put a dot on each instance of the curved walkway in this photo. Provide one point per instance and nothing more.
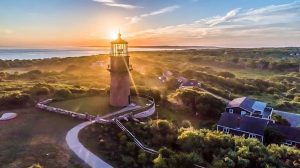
(83, 153)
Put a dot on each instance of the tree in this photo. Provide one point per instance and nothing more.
(226, 74)
(272, 136)
(279, 120)
(39, 91)
(200, 102)
(186, 124)
(172, 84)
(63, 94)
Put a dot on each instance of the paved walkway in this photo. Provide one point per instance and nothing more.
(123, 110)
(83, 153)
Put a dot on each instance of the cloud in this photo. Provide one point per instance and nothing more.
(220, 19)
(168, 9)
(114, 4)
(275, 24)
(104, 1)
(127, 6)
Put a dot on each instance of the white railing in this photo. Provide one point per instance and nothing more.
(136, 141)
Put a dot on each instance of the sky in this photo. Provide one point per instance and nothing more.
(223, 23)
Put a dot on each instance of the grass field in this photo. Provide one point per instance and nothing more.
(96, 105)
(36, 137)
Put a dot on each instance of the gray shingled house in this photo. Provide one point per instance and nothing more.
(242, 125)
(250, 107)
(250, 118)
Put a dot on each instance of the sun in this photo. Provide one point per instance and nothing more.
(113, 35)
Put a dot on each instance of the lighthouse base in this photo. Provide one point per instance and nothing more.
(119, 90)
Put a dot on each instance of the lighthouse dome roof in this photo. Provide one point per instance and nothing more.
(119, 40)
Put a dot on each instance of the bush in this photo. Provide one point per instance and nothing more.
(147, 92)
(39, 91)
(200, 102)
(16, 100)
(279, 120)
(273, 137)
(226, 74)
(63, 94)
(172, 84)
(186, 124)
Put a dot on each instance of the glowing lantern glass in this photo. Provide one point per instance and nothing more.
(119, 47)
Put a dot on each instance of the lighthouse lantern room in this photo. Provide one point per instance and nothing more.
(119, 73)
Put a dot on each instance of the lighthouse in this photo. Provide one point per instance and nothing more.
(119, 69)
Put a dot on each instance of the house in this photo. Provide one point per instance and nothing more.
(190, 83)
(242, 125)
(168, 74)
(162, 79)
(291, 135)
(250, 118)
(165, 76)
(249, 107)
(181, 79)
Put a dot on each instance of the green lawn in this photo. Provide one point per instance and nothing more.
(36, 137)
(96, 105)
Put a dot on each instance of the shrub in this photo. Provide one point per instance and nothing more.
(279, 120)
(273, 137)
(63, 94)
(172, 84)
(186, 124)
(39, 91)
(226, 74)
(200, 102)
(16, 100)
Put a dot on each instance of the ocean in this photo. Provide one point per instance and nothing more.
(40, 53)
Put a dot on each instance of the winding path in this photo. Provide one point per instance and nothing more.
(83, 153)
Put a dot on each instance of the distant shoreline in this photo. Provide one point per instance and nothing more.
(46, 53)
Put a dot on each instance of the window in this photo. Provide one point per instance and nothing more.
(226, 130)
(230, 110)
(243, 113)
(252, 136)
(288, 143)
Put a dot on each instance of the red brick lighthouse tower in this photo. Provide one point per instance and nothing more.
(119, 73)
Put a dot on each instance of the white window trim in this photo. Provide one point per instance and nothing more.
(252, 135)
(226, 130)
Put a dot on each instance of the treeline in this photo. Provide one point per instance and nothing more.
(238, 85)
(30, 96)
(182, 146)
(279, 59)
(200, 103)
(48, 62)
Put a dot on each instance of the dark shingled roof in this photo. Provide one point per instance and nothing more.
(243, 102)
(189, 83)
(290, 133)
(243, 123)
